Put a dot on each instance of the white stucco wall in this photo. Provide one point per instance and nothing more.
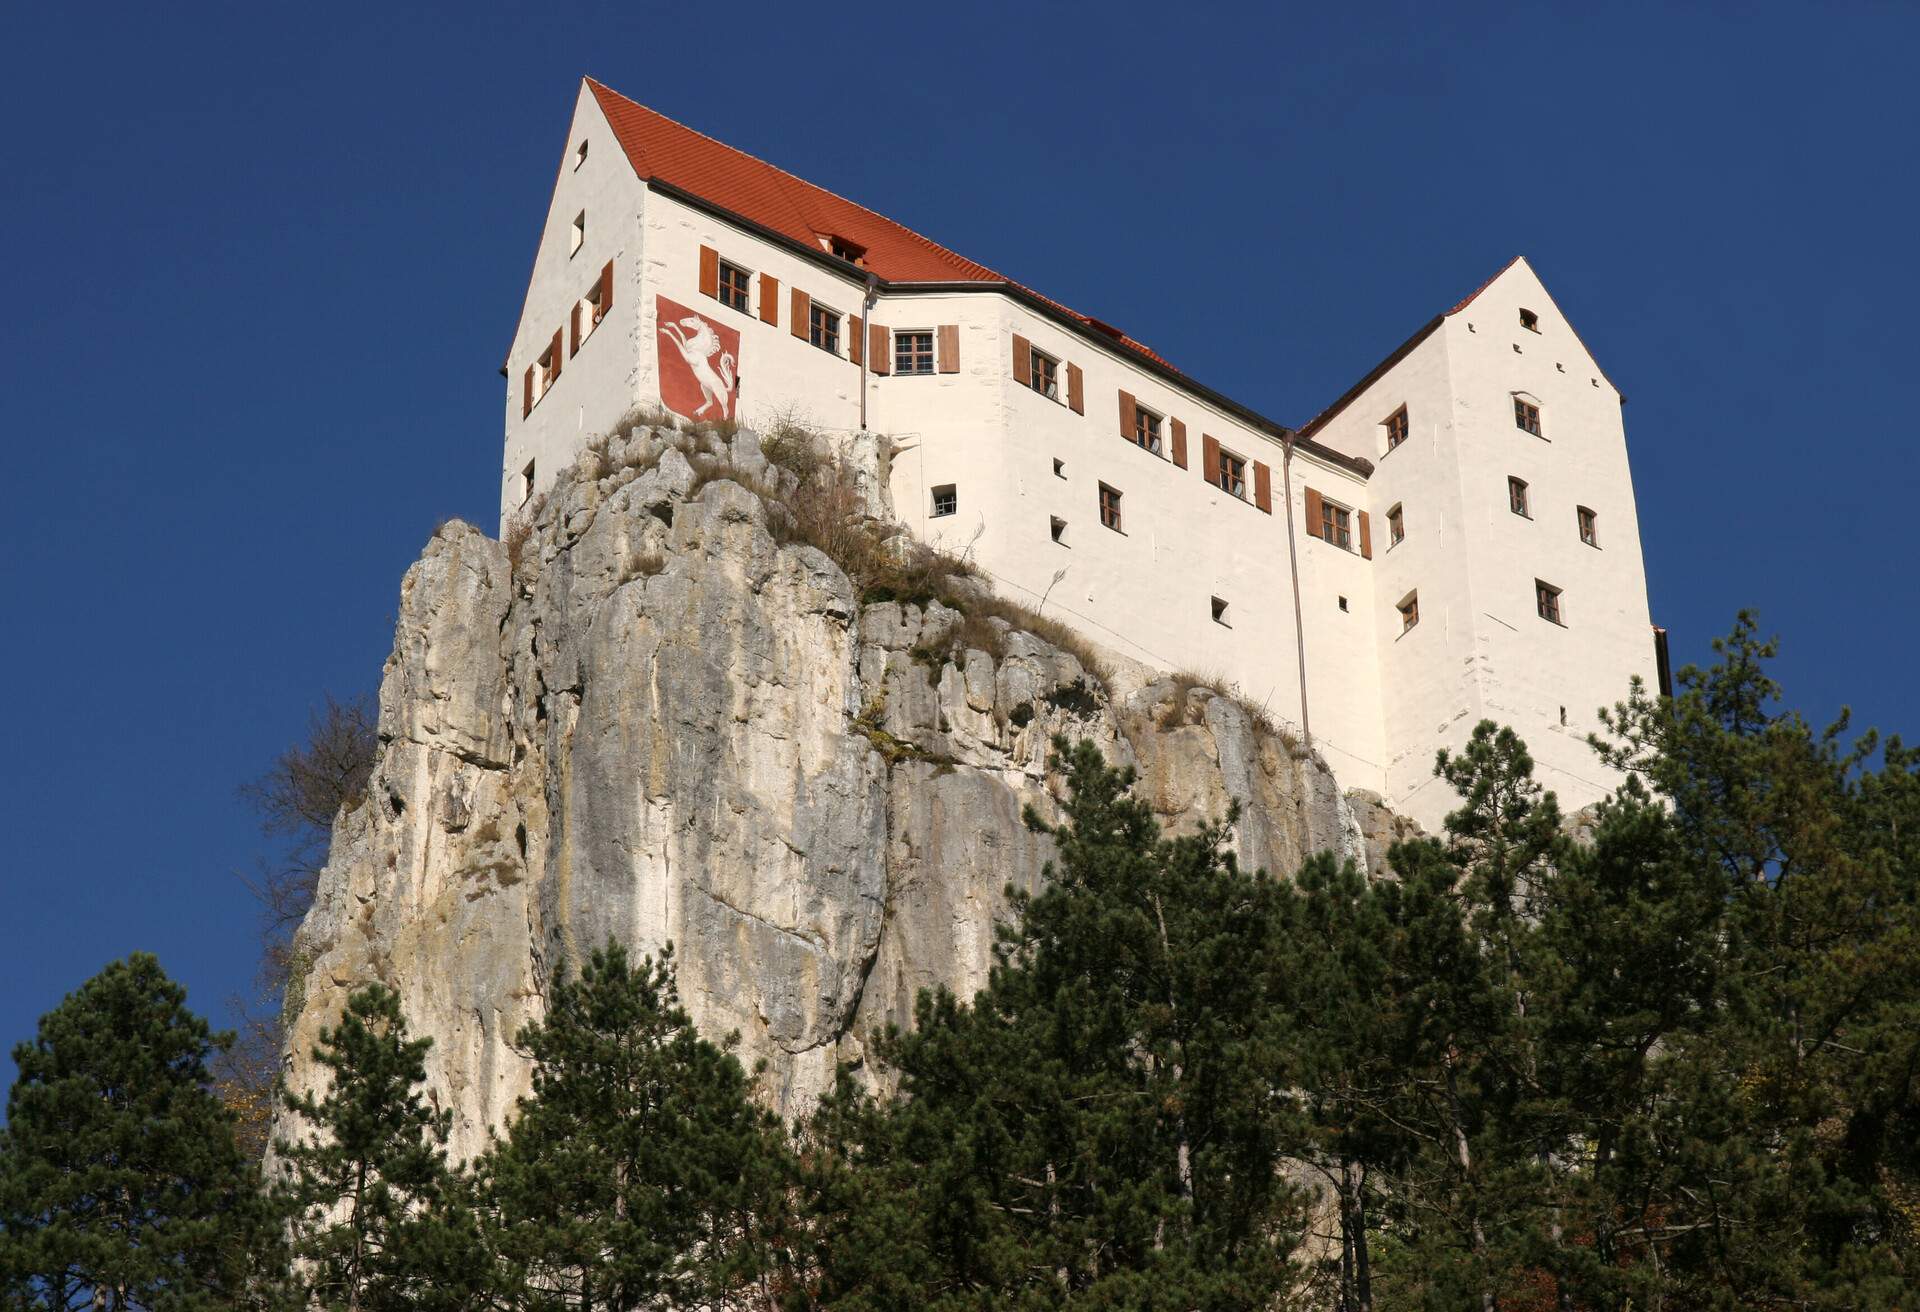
(1381, 701)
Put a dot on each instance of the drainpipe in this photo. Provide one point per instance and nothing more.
(1293, 565)
(866, 326)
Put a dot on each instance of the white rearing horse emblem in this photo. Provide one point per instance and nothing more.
(698, 344)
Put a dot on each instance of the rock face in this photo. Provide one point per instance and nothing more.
(650, 719)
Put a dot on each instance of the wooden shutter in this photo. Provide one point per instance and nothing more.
(574, 349)
(1210, 458)
(1366, 537)
(856, 339)
(559, 352)
(1076, 390)
(1263, 487)
(1313, 513)
(526, 395)
(769, 299)
(949, 336)
(1128, 407)
(1022, 361)
(606, 290)
(879, 350)
(1179, 444)
(802, 313)
(709, 271)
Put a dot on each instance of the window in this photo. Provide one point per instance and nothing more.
(1589, 530)
(1530, 321)
(1517, 497)
(1546, 599)
(579, 237)
(1336, 525)
(580, 155)
(732, 288)
(1233, 475)
(1409, 609)
(526, 483)
(945, 500)
(1220, 613)
(1146, 429)
(1058, 527)
(1042, 371)
(1059, 468)
(1526, 415)
(1110, 508)
(546, 372)
(823, 329)
(1343, 603)
(913, 353)
(850, 251)
(1396, 527)
(1396, 428)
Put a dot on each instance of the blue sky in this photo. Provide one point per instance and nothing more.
(263, 262)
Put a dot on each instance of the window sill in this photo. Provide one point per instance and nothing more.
(1409, 629)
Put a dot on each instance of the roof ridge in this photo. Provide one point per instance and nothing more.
(918, 236)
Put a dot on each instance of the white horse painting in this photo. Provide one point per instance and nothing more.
(699, 345)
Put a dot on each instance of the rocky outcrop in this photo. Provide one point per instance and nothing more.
(654, 717)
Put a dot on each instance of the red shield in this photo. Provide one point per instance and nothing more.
(699, 363)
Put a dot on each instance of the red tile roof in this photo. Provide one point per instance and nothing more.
(659, 148)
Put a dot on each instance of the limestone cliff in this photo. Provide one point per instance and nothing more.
(651, 717)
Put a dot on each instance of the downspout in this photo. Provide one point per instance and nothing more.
(866, 327)
(1293, 566)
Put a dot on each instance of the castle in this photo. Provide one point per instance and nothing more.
(1452, 540)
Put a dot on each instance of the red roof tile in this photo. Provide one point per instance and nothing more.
(659, 148)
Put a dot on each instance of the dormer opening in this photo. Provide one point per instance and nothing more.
(842, 248)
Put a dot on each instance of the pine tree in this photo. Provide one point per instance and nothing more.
(374, 1212)
(120, 1183)
(639, 1174)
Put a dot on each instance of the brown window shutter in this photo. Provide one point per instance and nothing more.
(879, 350)
(1179, 444)
(526, 395)
(1210, 458)
(1263, 487)
(802, 312)
(1076, 390)
(574, 349)
(856, 339)
(1366, 537)
(1022, 361)
(709, 271)
(949, 339)
(606, 290)
(769, 299)
(1127, 408)
(1313, 513)
(559, 353)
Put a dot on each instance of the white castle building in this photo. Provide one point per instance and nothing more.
(1452, 540)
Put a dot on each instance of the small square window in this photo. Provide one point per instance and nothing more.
(1517, 497)
(1526, 416)
(1546, 600)
(1232, 475)
(1589, 526)
(1059, 468)
(1058, 528)
(1396, 527)
(945, 500)
(580, 155)
(1220, 613)
(579, 237)
(1146, 429)
(1409, 609)
(823, 329)
(1043, 373)
(732, 287)
(1110, 507)
(526, 483)
(1530, 321)
(1343, 603)
(1396, 427)
(913, 353)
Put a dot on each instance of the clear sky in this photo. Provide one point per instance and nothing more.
(263, 262)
